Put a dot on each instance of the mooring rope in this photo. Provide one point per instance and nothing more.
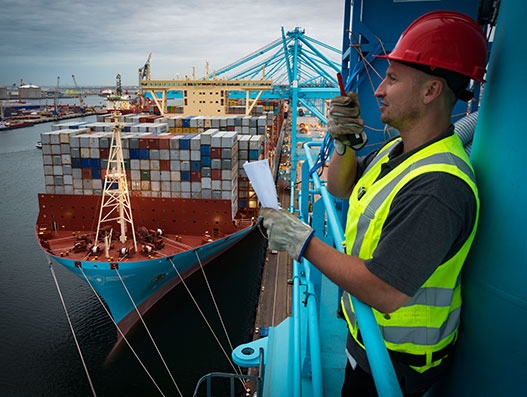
(217, 309)
(71, 326)
(149, 334)
(214, 301)
(237, 371)
(122, 333)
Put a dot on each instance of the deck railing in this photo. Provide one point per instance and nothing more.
(313, 189)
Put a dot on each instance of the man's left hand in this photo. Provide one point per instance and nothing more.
(286, 232)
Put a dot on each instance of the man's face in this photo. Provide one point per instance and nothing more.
(400, 96)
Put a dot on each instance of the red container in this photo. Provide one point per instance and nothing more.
(195, 176)
(164, 142)
(215, 174)
(215, 153)
(164, 165)
(86, 173)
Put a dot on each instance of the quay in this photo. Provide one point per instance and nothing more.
(275, 299)
(38, 119)
(274, 304)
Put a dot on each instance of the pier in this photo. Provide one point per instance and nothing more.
(274, 304)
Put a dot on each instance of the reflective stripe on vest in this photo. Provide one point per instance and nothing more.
(371, 209)
(429, 320)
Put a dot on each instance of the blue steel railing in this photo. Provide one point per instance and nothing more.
(379, 360)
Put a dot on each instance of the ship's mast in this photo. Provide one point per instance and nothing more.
(115, 205)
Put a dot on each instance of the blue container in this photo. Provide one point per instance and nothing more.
(184, 142)
(95, 164)
(134, 154)
(85, 163)
(205, 150)
(195, 165)
(96, 173)
(113, 185)
(185, 176)
(185, 123)
(144, 154)
(205, 161)
(76, 163)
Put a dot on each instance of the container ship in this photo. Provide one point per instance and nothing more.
(134, 204)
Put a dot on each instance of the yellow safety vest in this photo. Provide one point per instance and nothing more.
(429, 321)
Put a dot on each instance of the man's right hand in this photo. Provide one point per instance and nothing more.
(344, 123)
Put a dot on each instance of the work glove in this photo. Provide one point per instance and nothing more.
(286, 232)
(344, 123)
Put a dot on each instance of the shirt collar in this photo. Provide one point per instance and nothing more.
(397, 156)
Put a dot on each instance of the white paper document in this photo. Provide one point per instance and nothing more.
(262, 181)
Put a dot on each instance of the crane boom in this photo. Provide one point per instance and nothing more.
(81, 100)
(56, 98)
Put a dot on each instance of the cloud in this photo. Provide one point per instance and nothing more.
(97, 39)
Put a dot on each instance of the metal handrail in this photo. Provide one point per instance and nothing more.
(258, 379)
(380, 363)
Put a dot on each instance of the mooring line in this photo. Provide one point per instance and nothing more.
(206, 321)
(71, 326)
(122, 333)
(149, 334)
(216, 305)
(214, 301)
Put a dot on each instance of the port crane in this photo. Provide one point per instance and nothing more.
(144, 72)
(81, 100)
(56, 98)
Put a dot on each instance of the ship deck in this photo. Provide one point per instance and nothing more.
(169, 227)
(78, 246)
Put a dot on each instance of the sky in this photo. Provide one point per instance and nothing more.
(97, 39)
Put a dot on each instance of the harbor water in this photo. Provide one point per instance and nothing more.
(38, 355)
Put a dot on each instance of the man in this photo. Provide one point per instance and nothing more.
(413, 205)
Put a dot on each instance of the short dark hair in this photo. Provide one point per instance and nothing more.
(456, 82)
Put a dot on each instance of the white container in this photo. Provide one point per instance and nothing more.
(175, 176)
(206, 183)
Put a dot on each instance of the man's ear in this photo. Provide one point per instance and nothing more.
(433, 88)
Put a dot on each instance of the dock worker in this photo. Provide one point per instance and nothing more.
(413, 205)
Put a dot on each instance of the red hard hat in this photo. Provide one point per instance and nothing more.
(444, 39)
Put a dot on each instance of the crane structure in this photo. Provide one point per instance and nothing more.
(81, 100)
(304, 72)
(294, 68)
(56, 98)
(144, 72)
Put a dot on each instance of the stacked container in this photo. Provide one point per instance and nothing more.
(206, 162)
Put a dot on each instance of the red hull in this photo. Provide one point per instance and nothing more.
(173, 215)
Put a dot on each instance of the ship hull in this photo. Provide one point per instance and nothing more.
(14, 126)
(195, 231)
(126, 285)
